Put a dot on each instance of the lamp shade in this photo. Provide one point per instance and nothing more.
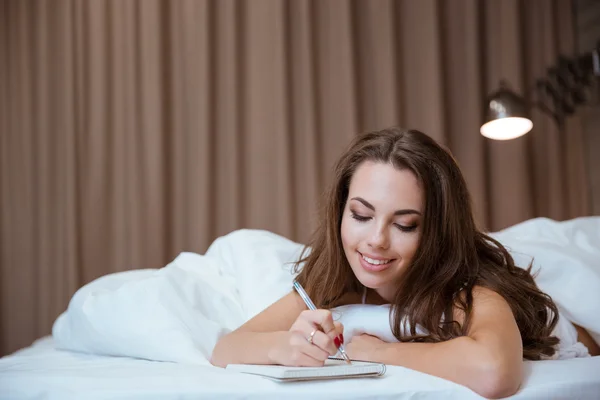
(506, 116)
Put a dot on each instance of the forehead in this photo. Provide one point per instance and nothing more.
(382, 183)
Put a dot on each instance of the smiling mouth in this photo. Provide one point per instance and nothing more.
(376, 263)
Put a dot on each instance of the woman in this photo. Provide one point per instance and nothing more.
(398, 229)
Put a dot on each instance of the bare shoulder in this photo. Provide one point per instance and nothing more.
(492, 315)
(484, 295)
(489, 304)
(486, 303)
(492, 321)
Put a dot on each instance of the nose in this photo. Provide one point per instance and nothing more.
(379, 239)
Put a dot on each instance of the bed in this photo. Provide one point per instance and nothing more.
(43, 372)
(148, 334)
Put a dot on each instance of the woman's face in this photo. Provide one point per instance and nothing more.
(381, 225)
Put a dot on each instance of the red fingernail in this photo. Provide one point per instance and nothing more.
(337, 342)
(341, 338)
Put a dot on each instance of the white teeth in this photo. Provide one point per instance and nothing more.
(374, 262)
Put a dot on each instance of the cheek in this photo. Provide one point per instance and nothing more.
(347, 233)
(344, 232)
(407, 246)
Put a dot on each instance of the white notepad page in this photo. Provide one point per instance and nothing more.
(333, 369)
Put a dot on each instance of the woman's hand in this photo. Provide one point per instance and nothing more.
(312, 338)
(362, 346)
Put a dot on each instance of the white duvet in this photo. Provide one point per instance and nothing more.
(177, 313)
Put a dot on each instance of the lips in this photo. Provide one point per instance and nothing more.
(374, 267)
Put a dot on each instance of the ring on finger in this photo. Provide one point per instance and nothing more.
(312, 335)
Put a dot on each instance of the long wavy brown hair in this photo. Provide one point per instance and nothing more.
(453, 254)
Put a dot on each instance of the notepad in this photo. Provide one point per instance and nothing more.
(334, 368)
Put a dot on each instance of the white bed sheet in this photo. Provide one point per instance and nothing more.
(42, 372)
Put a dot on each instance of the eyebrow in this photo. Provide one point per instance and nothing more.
(397, 212)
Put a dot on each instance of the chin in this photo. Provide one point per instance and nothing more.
(375, 280)
(370, 281)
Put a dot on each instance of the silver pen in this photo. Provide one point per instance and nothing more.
(312, 306)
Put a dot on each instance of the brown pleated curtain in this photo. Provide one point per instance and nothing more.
(134, 130)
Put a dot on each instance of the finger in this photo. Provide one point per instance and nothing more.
(317, 354)
(305, 327)
(325, 343)
(339, 329)
(322, 318)
(310, 319)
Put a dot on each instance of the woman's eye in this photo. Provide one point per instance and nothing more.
(406, 228)
(403, 228)
(360, 217)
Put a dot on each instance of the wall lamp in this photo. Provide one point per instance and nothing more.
(559, 93)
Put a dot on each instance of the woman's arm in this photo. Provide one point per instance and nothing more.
(252, 342)
(278, 335)
(489, 360)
